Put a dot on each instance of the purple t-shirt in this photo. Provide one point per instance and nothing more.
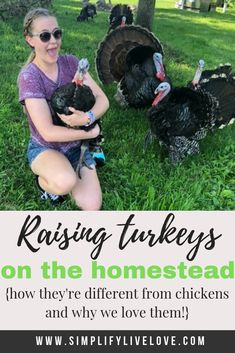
(33, 83)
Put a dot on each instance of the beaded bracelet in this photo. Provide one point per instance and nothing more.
(91, 117)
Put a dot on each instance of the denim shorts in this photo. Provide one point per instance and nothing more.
(34, 149)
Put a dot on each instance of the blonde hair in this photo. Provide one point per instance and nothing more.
(28, 24)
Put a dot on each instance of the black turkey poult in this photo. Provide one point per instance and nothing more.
(79, 96)
(120, 15)
(132, 57)
(179, 118)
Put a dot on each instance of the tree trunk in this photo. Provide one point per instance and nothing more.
(225, 7)
(145, 13)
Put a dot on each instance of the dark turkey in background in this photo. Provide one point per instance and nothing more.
(88, 11)
(120, 15)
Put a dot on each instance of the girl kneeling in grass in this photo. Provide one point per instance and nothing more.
(54, 151)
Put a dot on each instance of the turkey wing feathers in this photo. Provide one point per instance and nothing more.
(224, 92)
(71, 95)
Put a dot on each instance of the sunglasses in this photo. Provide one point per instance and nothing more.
(46, 36)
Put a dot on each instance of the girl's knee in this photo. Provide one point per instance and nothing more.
(63, 183)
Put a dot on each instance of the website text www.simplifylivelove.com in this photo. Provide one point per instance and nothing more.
(119, 340)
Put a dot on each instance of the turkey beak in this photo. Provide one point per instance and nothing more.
(160, 72)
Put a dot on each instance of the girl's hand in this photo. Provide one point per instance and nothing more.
(93, 133)
(78, 118)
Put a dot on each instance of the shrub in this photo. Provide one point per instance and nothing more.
(11, 8)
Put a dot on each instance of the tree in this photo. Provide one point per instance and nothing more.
(145, 13)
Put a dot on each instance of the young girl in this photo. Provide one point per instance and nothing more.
(53, 151)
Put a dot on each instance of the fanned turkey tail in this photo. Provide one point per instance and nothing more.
(112, 51)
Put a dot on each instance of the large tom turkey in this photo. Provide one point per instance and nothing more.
(132, 57)
(77, 95)
(180, 117)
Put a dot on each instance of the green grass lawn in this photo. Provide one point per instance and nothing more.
(131, 179)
